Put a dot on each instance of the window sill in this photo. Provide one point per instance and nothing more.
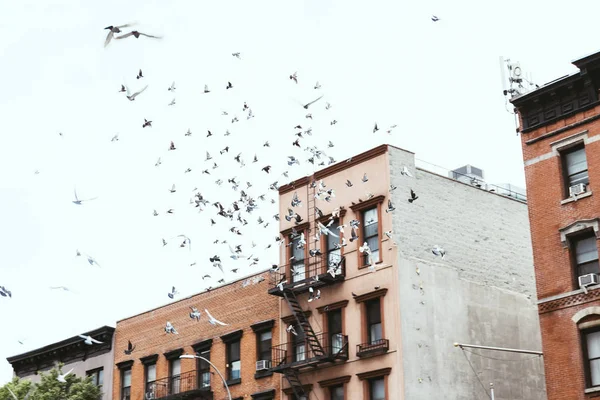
(232, 382)
(262, 374)
(593, 390)
(575, 198)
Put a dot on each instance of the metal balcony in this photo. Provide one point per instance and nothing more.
(192, 384)
(375, 347)
(315, 275)
(299, 355)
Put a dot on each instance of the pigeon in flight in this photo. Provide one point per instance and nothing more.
(169, 328)
(115, 138)
(133, 96)
(212, 319)
(364, 178)
(237, 55)
(294, 77)
(90, 340)
(290, 329)
(375, 129)
(438, 251)
(317, 85)
(5, 292)
(112, 30)
(137, 34)
(195, 314)
(434, 18)
(61, 377)
(172, 103)
(173, 293)
(413, 196)
(390, 207)
(139, 75)
(405, 171)
(172, 87)
(229, 85)
(130, 348)
(78, 201)
(147, 123)
(314, 101)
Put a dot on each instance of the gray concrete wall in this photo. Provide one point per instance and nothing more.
(483, 292)
(81, 367)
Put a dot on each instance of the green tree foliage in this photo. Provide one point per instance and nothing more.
(50, 388)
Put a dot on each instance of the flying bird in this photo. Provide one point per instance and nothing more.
(375, 129)
(112, 30)
(237, 55)
(133, 96)
(61, 377)
(130, 348)
(294, 77)
(139, 75)
(89, 340)
(173, 293)
(172, 87)
(212, 319)
(5, 292)
(229, 85)
(314, 101)
(78, 201)
(405, 171)
(413, 196)
(195, 314)
(390, 207)
(147, 123)
(438, 251)
(169, 328)
(434, 18)
(137, 34)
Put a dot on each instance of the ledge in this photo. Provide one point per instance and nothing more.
(370, 296)
(263, 326)
(575, 198)
(151, 359)
(592, 390)
(232, 336)
(173, 354)
(368, 203)
(125, 364)
(374, 374)
(335, 381)
(232, 382)
(264, 395)
(202, 346)
(326, 218)
(300, 227)
(262, 374)
(333, 306)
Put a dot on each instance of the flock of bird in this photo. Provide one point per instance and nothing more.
(238, 212)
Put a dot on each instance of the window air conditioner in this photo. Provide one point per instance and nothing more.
(577, 189)
(262, 365)
(588, 280)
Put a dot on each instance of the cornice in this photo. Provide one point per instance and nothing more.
(335, 381)
(263, 325)
(374, 374)
(232, 336)
(333, 306)
(368, 203)
(292, 318)
(370, 296)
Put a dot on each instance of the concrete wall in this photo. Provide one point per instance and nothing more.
(483, 292)
(81, 367)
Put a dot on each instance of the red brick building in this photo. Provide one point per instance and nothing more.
(560, 134)
(155, 371)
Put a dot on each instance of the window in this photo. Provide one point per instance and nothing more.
(174, 376)
(575, 168)
(586, 254)
(233, 360)
(298, 344)
(263, 346)
(97, 376)
(333, 253)
(126, 384)
(336, 392)
(204, 370)
(150, 378)
(374, 331)
(298, 266)
(334, 327)
(370, 222)
(591, 351)
(377, 389)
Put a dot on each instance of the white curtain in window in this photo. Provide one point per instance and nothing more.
(593, 350)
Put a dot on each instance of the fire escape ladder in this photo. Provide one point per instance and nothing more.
(294, 380)
(309, 333)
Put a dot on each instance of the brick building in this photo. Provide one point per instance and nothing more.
(154, 369)
(560, 135)
(94, 360)
(389, 334)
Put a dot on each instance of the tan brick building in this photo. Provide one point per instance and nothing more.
(154, 369)
(560, 135)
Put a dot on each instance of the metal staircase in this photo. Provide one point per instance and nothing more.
(294, 380)
(303, 324)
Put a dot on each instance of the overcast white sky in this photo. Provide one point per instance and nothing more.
(377, 61)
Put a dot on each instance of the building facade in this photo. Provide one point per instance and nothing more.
(389, 334)
(560, 136)
(240, 350)
(94, 360)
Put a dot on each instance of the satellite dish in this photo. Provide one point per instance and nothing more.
(517, 71)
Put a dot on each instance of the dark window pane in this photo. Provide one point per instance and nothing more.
(337, 393)
(334, 320)
(151, 373)
(377, 389)
(373, 311)
(332, 240)
(264, 346)
(593, 356)
(100, 377)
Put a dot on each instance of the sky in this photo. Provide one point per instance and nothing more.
(381, 61)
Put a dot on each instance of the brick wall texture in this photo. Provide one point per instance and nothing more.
(233, 304)
(563, 356)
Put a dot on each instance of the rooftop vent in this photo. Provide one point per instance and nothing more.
(468, 174)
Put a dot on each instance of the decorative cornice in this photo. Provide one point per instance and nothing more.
(232, 336)
(293, 185)
(563, 129)
(264, 395)
(374, 374)
(569, 301)
(263, 325)
(125, 364)
(170, 355)
(368, 203)
(333, 306)
(149, 359)
(327, 217)
(370, 296)
(578, 226)
(202, 346)
(335, 381)
(301, 227)
(307, 388)
(335, 168)
(291, 318)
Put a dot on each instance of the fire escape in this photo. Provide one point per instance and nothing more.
(309, 350)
